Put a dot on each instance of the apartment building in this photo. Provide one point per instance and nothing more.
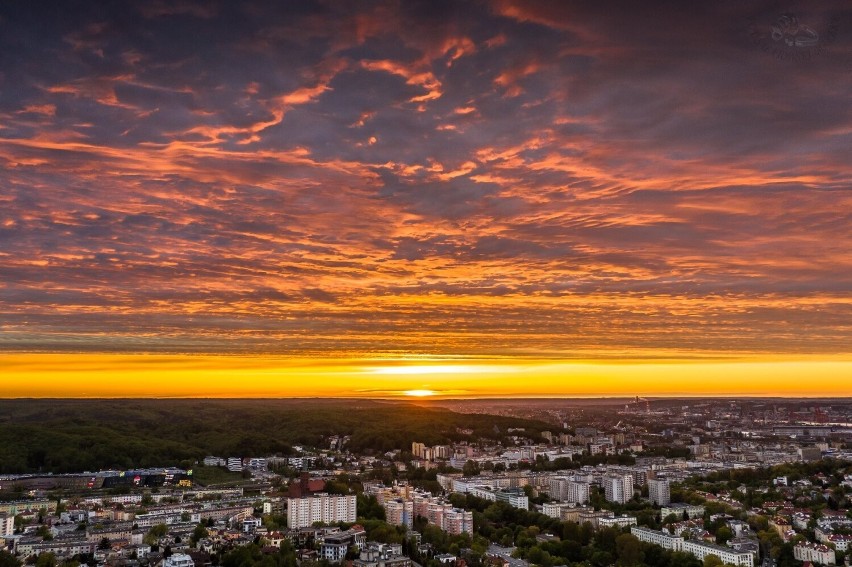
(322, 507)
(618, 487)
(659, 492)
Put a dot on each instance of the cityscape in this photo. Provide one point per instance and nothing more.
(546, 482)
(425, 283)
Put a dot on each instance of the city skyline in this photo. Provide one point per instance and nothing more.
(226, 199)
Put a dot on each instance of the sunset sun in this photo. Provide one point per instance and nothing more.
(419, 393)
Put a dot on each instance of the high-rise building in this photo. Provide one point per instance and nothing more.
(7, 524)
(567, 489)
(514, 497)
(659, 492)
(458, 521)
(400, 512)
(325, 508)
(618, 487)
(559, 487)
(578, 492)
(418, 449)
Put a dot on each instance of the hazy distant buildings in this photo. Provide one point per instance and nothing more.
(809, 453)
(438, 452)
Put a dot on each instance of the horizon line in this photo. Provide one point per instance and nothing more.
(420, 399)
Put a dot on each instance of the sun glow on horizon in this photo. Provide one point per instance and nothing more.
(210, 376)
(419, 393)
(441, 369)
(426, 369)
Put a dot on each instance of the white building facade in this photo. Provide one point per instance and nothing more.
(325, 508)
(618, 487)
(659, 492)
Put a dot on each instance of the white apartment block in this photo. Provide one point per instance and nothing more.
(514, 498)
(813, 552)
(578, 492)
(554, 509)
(639, 474)
(678, 509)
(663, 539)
(7, 524)
(618, 487)
(115, 499)
(481, 491)
(616, 522)
(699, 549)
(569, 490)
(726, 554)
(60, 548)
(842, 542)
(325, 508)
(659, 492)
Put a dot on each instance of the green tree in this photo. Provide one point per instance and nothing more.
(712, 561)
(628, 550)
(683, 559)
(601, 558)
(723, 534)
(369, 508)
(44, 533)
(155, 533)
(8, 560)
(199, 533)
(471, 468)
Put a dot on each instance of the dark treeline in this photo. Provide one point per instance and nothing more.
(78, 435)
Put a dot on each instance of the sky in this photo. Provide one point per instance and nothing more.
(237, 198)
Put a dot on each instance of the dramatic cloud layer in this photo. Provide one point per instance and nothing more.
(535, 179)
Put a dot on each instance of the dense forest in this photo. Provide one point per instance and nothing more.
(79, 435)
